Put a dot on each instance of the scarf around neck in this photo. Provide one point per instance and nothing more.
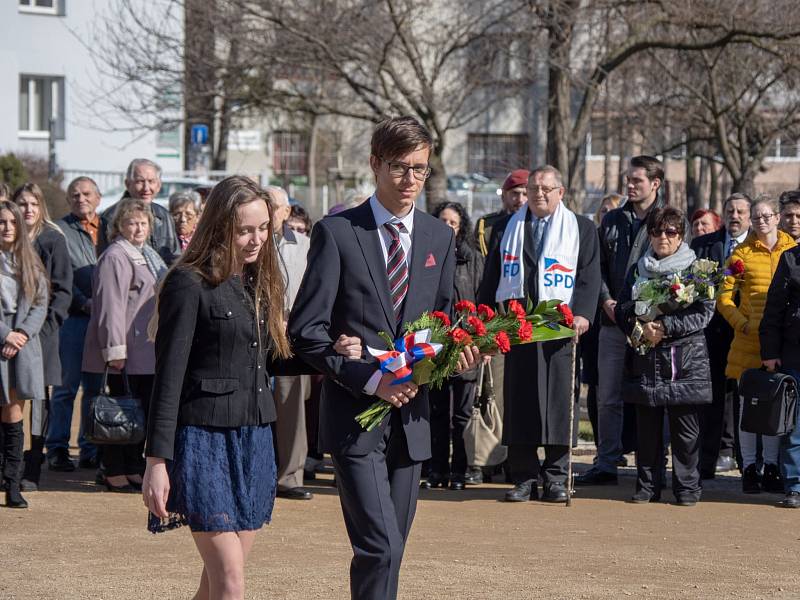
(650, 267)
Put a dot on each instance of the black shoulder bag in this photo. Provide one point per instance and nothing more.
(115, 420)
(769, 401)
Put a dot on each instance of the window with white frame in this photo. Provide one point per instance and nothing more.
(44, 7)
(783, 150)
(41, 98)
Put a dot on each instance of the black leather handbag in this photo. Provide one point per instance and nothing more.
(115, 419)
(769, 402)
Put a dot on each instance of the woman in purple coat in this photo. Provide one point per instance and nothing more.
(123, 301)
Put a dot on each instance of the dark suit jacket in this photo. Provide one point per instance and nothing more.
(210, 368)
(719, 334)
(345, 290)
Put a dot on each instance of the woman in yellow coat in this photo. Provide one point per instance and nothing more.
(759, 253)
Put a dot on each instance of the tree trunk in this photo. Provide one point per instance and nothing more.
(312, 160)
(692, 188)
(744, 184)
(199, 88)
(559, 33)
(436, 185)
(713, 188)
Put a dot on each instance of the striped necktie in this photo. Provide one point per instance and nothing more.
(396, 268)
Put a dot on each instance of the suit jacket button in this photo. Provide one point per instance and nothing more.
(259, 390)
(228, 314)
(254, 344)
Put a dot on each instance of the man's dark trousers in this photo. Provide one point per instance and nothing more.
(378, 530)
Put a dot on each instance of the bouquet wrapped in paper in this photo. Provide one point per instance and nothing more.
(428, 351)
(666, 295)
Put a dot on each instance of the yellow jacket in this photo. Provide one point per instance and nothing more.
(752, 285)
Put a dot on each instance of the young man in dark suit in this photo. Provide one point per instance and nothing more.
(371, 269)
(718, 419)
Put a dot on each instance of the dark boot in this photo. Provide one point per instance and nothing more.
(772, 482)
(33, 464)
(12, 467)
(751, 480)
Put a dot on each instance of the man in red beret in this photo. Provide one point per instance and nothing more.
(515, 194)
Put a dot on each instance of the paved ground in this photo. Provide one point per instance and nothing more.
(79, 542)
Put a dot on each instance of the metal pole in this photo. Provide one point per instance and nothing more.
(570, 486)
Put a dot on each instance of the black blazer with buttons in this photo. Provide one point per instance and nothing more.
(210, 368)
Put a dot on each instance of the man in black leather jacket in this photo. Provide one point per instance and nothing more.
(623, 240)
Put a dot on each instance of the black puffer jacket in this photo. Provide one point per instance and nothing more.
(677, 370)
(779, 331)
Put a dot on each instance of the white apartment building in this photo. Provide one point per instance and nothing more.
(47, 70)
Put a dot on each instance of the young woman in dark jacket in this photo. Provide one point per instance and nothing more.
(779, 336)
(50, 244)
(469, 270)
(673, 375)
(219, 337)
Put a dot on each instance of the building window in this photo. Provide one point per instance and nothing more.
(783, 150)
(290, 153)
(495, 155)
(42, 7)
(40, 99)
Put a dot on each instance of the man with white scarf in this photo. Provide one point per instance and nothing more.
(544, 251)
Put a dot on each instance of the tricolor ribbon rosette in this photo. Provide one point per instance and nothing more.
(408, 350)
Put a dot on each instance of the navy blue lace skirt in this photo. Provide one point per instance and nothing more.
(221, 479)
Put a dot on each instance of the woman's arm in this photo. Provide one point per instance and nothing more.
(32, 322)
(178, 305)
(689, 320)
(113, 277)
(725, 303)
(60, 283)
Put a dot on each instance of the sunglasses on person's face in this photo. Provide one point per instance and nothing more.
(670, 233)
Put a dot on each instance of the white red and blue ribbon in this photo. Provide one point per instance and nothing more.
(408, 350)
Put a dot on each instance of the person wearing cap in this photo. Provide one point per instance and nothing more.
(790, 213)
(515, 194)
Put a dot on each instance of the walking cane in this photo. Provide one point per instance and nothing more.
(570, 486)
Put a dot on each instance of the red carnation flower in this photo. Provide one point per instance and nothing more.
(566, 314)
(675, 288)
(502, 341)
(525, 331)
(736, 267)
(465, 306)
(516, 308)
(460, 336)
(437, 314)
(477, 326)
(485, 312)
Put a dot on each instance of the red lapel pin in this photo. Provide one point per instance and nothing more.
(430, 261)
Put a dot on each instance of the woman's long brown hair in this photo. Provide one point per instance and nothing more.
(211, 253)
(28, 264)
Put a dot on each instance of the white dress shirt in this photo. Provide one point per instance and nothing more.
(383, 216)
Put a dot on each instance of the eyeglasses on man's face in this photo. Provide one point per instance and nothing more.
(398, 170)
(534, 190)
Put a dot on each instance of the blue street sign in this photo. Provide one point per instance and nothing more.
(199, 135)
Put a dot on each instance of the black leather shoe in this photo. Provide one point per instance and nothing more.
(704, 474)
(643, 497)
(474, 476)
(434, 480)
(457, 483)
(725, 464)
(58, 460)
(554, 492)
(89, 462)
(522, 492)
(686, 500)
(595, 476)
(14, 499)
(26, 485)
(772, 482)
(295, 493)
(751, 480)
(792, 500)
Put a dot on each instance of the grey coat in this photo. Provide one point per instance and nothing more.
(28, 374)
(123, 302)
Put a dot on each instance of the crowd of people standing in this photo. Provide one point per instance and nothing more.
(197, 308)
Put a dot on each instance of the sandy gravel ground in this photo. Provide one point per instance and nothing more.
(79, 542)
